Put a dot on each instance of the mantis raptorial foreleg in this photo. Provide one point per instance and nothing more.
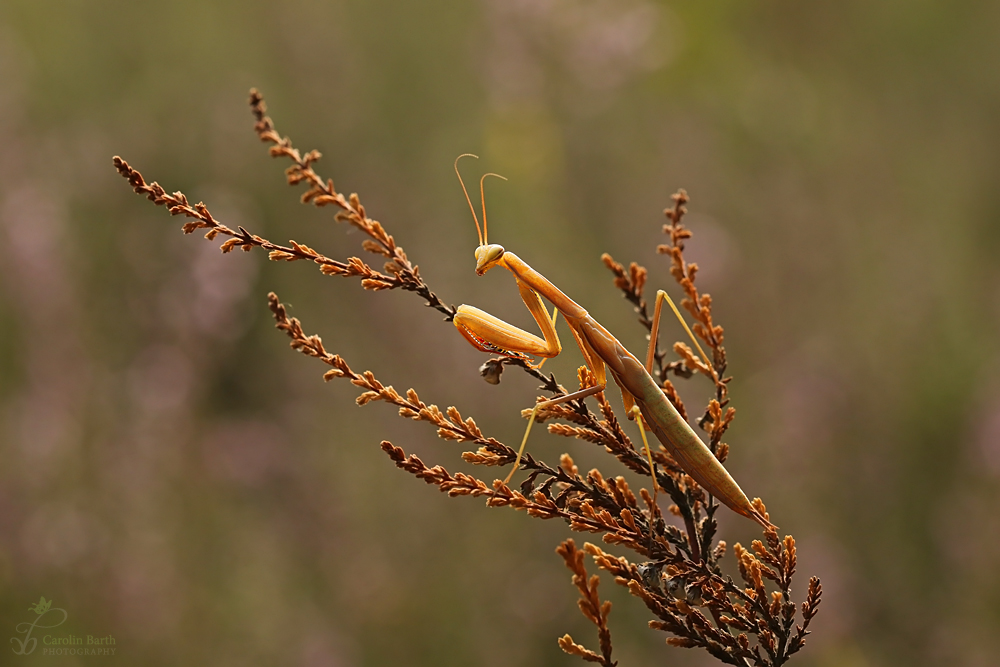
(555, 315)
(491, 334)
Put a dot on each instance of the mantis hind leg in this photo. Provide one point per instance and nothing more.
(654, 331)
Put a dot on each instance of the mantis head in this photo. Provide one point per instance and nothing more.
(487, 254)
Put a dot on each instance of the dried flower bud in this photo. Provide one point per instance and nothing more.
(675, 588)
(492, 370)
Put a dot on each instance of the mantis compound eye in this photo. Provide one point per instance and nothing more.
(493, 253)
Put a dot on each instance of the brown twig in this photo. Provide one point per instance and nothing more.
(201, 218)
(322, 193)
(590, 605)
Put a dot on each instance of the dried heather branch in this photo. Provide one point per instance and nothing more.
(592, 504)
(450, 426)
(201, 218)
(689, 596)
(322, 193)
(769, 619)
(680, 582)
(581, 516)
(590, 605)
(809, 608)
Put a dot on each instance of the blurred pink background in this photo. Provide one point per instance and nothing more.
(175, 477)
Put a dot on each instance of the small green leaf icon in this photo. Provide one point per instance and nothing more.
(41, 606)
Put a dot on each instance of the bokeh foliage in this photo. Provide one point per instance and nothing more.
(173, 476)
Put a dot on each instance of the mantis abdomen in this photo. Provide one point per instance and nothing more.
(672, 430)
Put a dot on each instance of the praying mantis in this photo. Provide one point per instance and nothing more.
(643, 398)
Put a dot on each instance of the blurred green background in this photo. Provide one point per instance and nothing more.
(174, 476)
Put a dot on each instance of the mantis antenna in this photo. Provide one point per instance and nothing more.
(471, 207)
(482, 195)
